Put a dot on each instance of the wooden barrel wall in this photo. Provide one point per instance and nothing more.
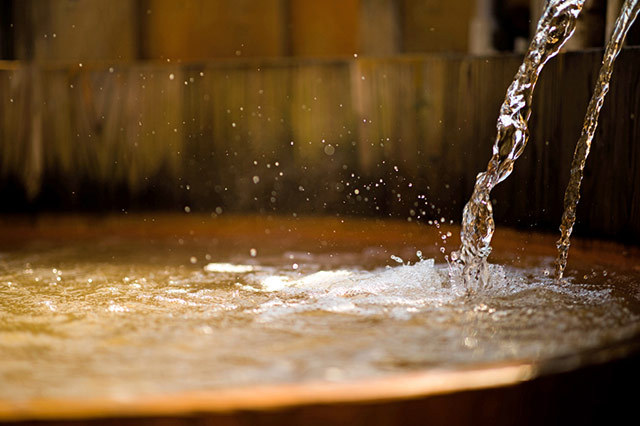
(398, 136)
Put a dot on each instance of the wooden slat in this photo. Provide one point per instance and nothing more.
(145, 140)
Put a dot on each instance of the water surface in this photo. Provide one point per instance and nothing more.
(118, 309)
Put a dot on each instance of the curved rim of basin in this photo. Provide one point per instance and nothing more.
(267, 398)
(416, 385)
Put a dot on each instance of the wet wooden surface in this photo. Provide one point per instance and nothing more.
(600, 394)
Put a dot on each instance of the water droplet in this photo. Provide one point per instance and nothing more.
(470, 342)
(172, 76)
(329, 150)
(193, 260)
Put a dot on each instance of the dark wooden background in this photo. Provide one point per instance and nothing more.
(409, 133)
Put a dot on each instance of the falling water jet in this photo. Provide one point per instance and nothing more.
(628, 14)
(555, 27)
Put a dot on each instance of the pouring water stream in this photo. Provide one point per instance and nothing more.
(555, 27)
(628, 14)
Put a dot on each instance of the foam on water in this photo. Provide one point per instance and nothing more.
(405, 291)
(91, 328)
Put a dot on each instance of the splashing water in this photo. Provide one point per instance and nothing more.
(120, 318)
(628, 14)
(555, 27)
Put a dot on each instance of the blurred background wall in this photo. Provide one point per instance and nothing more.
(74, 30)
(84, 30)
(367, 107)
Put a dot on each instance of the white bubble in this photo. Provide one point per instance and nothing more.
(228, 267)
(256, 179)
(253, 252)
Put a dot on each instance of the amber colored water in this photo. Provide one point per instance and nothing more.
(146, 305)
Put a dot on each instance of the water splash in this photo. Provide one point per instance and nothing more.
(555, 27)
(120, 318)
(628, 14)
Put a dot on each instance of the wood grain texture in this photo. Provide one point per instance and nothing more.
(162, 136)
